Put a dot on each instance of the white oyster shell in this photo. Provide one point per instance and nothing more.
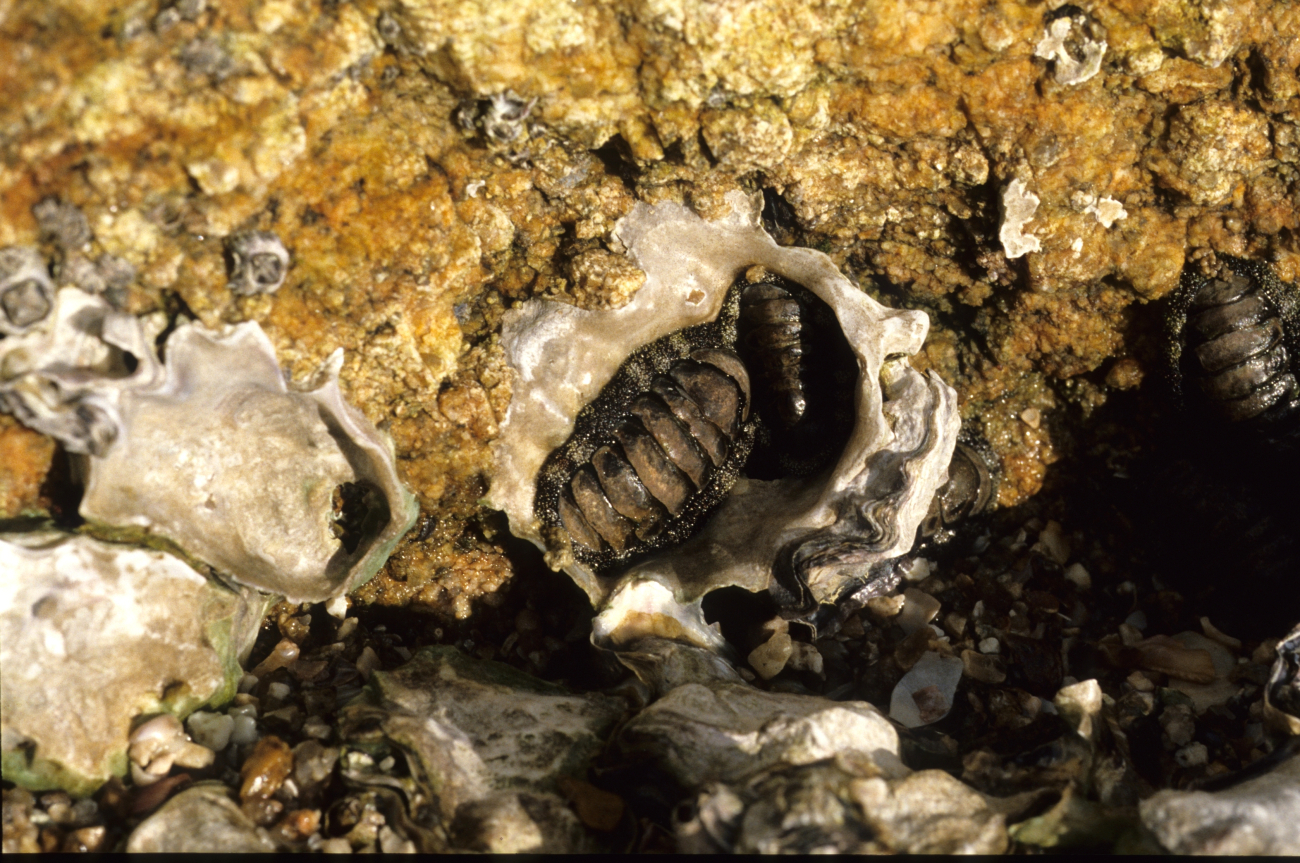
(239, 469)
(93, 635)
(865, 512)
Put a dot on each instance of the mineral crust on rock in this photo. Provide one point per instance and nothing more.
(94, 635)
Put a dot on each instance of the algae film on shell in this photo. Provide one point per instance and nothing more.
(811, 539)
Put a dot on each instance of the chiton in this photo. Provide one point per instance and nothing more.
(667, 438)
(1236, 335)
(805, 374)
(657, 449)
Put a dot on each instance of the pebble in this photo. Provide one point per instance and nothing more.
(211, 729)
(1192, 755)
(266, 768)
(990, 645)
(1076, 574)
(919, 608)
(982, 667)
(925, 694)
(771, 656)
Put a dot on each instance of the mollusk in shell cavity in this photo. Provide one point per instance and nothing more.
(1235, 334)
(811, 539)
(281, 487)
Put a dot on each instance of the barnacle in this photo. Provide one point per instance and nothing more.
(811, 539)
(65, 378)
(257, 263)
(26, 292)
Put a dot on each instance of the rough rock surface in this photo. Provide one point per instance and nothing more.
(428, 164)
(491, 743)
(202, 820)
(1259, 816)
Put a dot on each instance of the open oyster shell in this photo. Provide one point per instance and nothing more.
(285, 488)
(813, 540)
(281, 487)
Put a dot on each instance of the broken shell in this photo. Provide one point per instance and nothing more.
(1282, 695)
(812, 539)
(284, 488)
(26, 292)
(256, 263)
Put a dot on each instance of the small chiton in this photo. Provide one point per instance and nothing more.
(656, 451)
(805, 374)
(1236, 334)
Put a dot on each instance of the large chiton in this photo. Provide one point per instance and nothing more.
(784, 510)
(655, 452)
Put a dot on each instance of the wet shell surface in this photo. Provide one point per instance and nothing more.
(284, 488)
(281, 487)
(812, 537)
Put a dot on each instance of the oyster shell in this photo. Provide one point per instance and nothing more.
(812, 540)
(245, 472)
(285, 488)
(93, 635)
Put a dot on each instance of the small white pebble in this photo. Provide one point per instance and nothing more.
(367, 662)
(1079, 576)
(278, 691)
(387, 764)
(211, 729)
(316, 727)
(243, 729)
(1137, 620)
(346, 628)
(337, 845)
(1192, 755)
(990, 645)
(247, 682)
(1031, 417)
(337, 607)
